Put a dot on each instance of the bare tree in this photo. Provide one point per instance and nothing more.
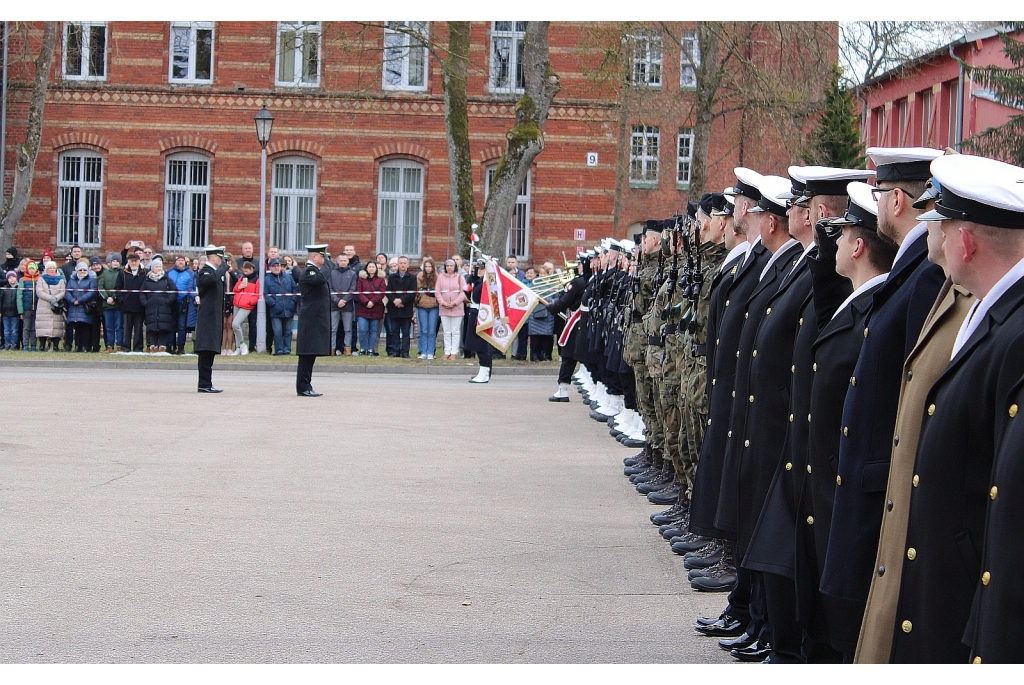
(454, 72)
(871, 48)
(25, 163)
(525, 139)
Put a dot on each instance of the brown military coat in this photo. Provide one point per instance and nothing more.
(926, 362)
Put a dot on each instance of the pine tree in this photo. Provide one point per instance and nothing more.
(1004, 142)
(835, 140)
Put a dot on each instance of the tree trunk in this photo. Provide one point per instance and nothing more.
(456, 122)
(525, 139)
(25, 164)
(709, 79)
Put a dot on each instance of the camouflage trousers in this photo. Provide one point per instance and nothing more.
(694, 402)
(671, 422)
(645, 403)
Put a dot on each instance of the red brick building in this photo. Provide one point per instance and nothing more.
(149, 135)
(931, 102)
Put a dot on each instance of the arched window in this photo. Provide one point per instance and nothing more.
(293, 199)
(187, 203)
(400, 208)
(80, 198)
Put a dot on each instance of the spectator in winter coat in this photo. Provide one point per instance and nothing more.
(281, 302)
(9, 309)
(353, 258)
(160, 299)
(50, 291)
(343, 280)
(96, 325)
(27, 300)
(369, 308)
(81, 290)
(111, 308)
(451, 298)
(11, 262)
(426, 308)
(247, 294)
(133, 312)
(185, 282)
(402, 292)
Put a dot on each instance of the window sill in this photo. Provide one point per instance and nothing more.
(404, 89)
(682, 186)
(298, 86)
(189, 82)
(94, 79)
(643, 185)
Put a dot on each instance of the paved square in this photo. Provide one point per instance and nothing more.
(398, 518)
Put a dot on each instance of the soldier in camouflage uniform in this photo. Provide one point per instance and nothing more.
(635, 351)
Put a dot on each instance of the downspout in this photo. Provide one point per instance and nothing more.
(959, 101)
(3, 116)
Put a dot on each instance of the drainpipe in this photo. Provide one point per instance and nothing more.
(959, 102)
(3, 116)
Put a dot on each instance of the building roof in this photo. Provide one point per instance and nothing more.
(940, 51)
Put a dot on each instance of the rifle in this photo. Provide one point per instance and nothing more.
(673, 274)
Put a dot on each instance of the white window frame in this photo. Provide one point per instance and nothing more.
(286, 235)
(689, 60)
(515, 38)
(195, 201)
(406, 45)
(304, 32)
(649, 138)
(684, 157)
(518, 242)
(87, 48)
(89, 192)
(647, 66)
(192, 27)
(402, 244)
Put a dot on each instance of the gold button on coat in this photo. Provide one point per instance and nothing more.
(977, 660)
(792, 369)
(846, 431)
(751, 398)
(801, 321)
(789, 466)
(911, 554)
(791, 418)
(814, 366)
(839, 480)
(808, 468)
(727, 303)
(916, 481)
(866, 335)
(768, 311)
(986, 578)
(734, 393)
(755, 353)
(746, 443)
(931, 409)
(810, 520)
(1013, 410)
(853, 381)
(994, 492)
(746, 315)
(709, 422)
(730, 434)
(808, 418)
(907, 626)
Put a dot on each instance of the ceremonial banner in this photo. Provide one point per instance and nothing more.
(505, 305)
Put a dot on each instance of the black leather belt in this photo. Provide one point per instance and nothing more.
(655, 340)
(700, 350)
(669, 329)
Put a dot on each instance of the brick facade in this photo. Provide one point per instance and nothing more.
(346, 126)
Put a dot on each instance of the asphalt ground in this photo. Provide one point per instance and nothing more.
(396, 519)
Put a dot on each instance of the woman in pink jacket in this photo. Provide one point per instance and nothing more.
(451, 294)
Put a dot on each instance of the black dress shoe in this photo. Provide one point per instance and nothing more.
(555, 398)
(725, 626)
(707, 620)
(757, 652)
(210, 389)
(310, 393)
(742, 641)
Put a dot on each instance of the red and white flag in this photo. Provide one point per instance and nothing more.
(505, 305)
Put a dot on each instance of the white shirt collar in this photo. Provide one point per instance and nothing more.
(775, 256)
(803, 255)
(749, 250)
(981, 307)
(915, 233)
(868, 284)
(737, 251)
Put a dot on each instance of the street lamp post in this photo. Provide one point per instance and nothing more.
(264, 125)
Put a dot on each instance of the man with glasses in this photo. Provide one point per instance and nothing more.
(898, 310)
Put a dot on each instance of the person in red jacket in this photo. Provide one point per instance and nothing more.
(369, 308)
(247, 294)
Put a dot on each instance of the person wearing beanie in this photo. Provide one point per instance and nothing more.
(81, 290)
(11, 260)
(9, 310)
(27, 306)
(158, 298)
(110, 308)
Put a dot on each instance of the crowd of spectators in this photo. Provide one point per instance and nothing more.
(133, 301)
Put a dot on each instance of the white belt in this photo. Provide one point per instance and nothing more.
(474, 306)
(584, 309)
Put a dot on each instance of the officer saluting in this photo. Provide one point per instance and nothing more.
(210, 318)
(314, 319)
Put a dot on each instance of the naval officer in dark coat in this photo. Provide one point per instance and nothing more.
(314, 319)
(210, 317)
